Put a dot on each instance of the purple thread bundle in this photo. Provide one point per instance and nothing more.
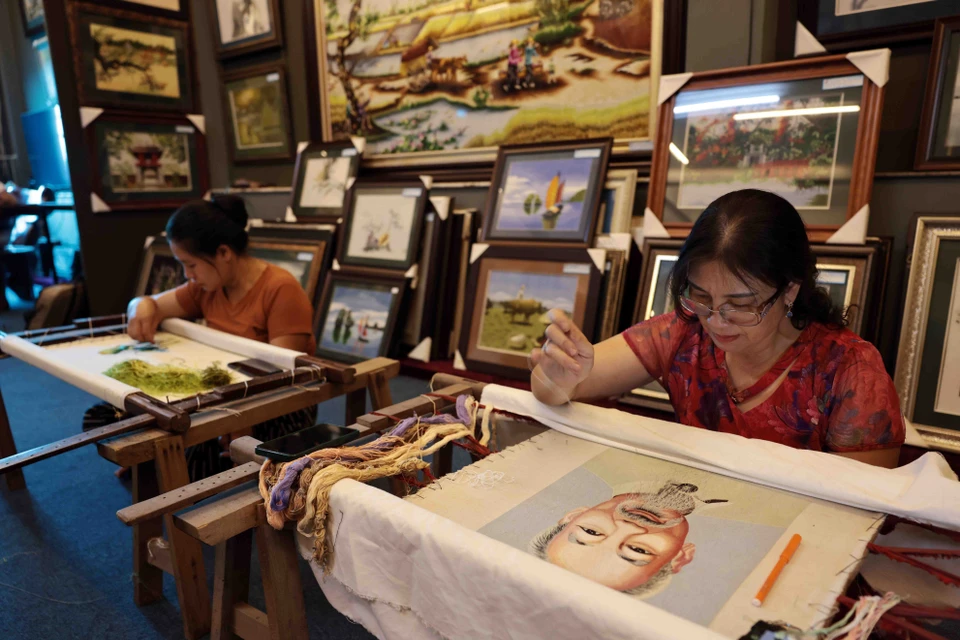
(283, 490)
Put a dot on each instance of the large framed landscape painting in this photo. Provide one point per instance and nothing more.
(128, 60)
(510, 291)
(454, 78)
(358, 315)
(546, 192)
(805, 129)
(147, 162)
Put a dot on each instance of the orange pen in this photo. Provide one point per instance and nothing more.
(775, 573)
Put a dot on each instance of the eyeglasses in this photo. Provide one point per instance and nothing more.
(731, 316)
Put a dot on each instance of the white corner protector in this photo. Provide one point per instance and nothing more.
(458, 362)
(149, 240)
(256, 222)
(208, 196)
(413, 273)
(98, 205)
(441, 204)
(913, 436)
(670, 84)
(638, 237)
(422, 351)
(88, 115)
(599, 257)
(875, 64)
(301, 146)
(359, 143)
(336, 265)
(614, 241)
(199, 121)
(652, 227)
(350, 182)
(288, 215)
(854, 230)
(477, 250)
(805, 43)
(427, 182)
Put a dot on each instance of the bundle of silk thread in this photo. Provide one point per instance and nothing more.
(300, 490)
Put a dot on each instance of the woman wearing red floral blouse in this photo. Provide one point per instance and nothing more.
(754, 347)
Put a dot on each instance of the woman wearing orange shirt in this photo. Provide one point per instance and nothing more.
(235, 293)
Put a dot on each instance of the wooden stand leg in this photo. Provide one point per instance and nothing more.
(187, 552)
(8, 447)
(379, 386)
(231, 583)
(280, 569)
(147, 579)
(356, 405)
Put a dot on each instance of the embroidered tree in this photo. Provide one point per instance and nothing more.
(532, 204)
(115, 57)
(358, 27)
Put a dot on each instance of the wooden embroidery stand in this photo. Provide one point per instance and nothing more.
(229, 524)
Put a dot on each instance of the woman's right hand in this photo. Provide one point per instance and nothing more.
(144, 319)
(566, 358)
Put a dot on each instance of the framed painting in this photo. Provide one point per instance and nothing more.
(611, 296)
(176, 9)
(804, 129)
(258, 114)
(432, 273)
(844, 25)
(32, 13)
(147, 162)
(508, 296)
(245, 26)
(428, 82)
(358, 315)
(128, 60)
(547, 192)
(616, 203)
(159, 270)
(382, 224)
(938, 147)
(927, 376)
(320, 180)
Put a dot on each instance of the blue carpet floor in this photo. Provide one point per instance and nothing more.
(65, 558)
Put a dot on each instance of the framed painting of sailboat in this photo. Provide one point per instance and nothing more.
(547, 192)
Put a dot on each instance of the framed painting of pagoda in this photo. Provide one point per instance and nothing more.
(804, 129)
(146, 162)
(547, 193)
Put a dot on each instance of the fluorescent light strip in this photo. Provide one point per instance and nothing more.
(722, 104)
(675, 150)
(809, 111)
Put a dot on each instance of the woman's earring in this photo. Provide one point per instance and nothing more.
(789, 309)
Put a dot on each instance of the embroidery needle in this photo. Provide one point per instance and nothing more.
(775, 573)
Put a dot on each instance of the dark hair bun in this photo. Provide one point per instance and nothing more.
(234, 207)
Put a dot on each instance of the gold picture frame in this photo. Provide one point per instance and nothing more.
(921, 351)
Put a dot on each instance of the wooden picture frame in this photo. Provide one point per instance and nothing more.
(619, 193)
(385, 291)
(340, 159)
(268, 79)
(244, 44)
(528, 177)
(33, 17)
(834, 76)
(934, 151)
(174, 9)
(131, 84)
(128, 153)
(366, 227)
(668, 33)
(568, 275)
(611, 297)
(926, 356)
(868, 27)
(421, 318)
(159, 270)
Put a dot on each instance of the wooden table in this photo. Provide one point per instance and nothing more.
(229, 524)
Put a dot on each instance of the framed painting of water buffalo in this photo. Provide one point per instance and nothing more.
(511, 289)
